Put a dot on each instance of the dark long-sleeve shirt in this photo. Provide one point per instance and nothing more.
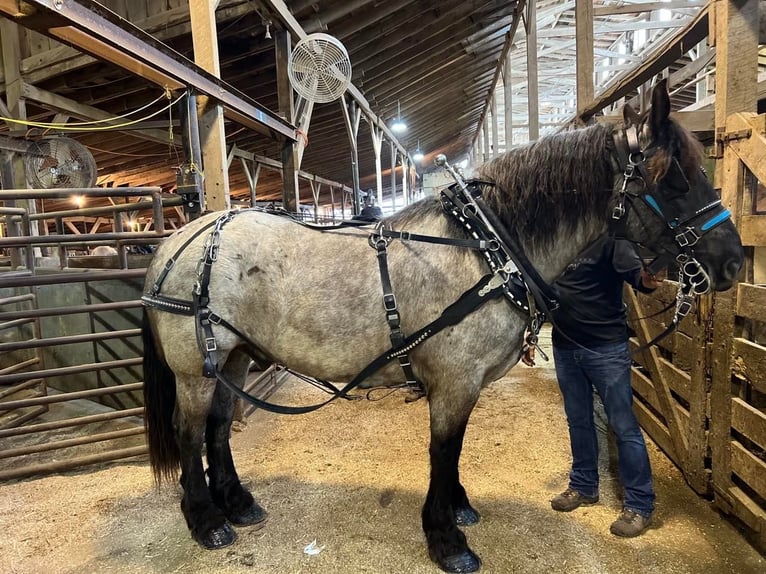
(592, 311)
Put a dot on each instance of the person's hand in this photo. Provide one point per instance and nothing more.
(652, 281)
(528, 355)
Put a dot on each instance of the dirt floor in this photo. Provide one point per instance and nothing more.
(352, 477)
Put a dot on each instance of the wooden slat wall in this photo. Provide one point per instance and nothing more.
(717, 384)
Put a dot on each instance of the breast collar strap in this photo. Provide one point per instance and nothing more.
(525, 289)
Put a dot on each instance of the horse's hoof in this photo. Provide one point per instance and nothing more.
(461, 563)
(251, 516)
(218, 537)
(467, 516)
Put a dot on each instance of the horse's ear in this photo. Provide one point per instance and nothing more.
(630, 116)
(660, 112)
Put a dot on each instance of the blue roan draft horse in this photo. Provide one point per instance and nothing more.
(226, 289)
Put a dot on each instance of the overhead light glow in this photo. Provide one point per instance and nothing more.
(418, 155)
(398, 127)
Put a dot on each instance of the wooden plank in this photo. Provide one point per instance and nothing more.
(720, 391)
(748, 511)
(752, 229)
(695, 471)
(749, 361)
(666, 401)
(644, 388)
(750, 468)
(656, 430)
(748, 421)
(694, 120)
(676, 378)
(751, 301)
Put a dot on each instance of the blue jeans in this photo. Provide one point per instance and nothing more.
(607, 369)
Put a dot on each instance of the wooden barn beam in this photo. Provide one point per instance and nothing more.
(638, 7)
(290, 187)
(584, 51)
(117, 41)
(210, 111)
(504, 53)
(84, 112)
(533, 103)
(164, 26)
(659, 59)
(282, 12)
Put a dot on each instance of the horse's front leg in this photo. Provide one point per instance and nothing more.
(225, 487)
(446, 504)
(207, 523)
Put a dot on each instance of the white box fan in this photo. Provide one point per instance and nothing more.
(319, 68)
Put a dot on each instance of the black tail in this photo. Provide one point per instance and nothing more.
(159, 403)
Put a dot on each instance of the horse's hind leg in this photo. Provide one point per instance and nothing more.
(446, 504)
(205, 520)
(225, 488)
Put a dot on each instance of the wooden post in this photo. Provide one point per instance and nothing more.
(485, 131)
(584, 51)
(393, 176)
(736, 40)
(405, 177)
(290, 187)
(211, 124)
(533, 103)
(352, 115)
(377, 146)
(508, 102)
(495, 129)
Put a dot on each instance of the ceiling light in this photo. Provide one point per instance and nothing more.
(398, 126)
(418, 155)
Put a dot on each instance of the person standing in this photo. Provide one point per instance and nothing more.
(590, 351)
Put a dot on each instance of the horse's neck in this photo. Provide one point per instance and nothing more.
(566, 247)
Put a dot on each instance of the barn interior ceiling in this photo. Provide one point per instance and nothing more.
(434, 64)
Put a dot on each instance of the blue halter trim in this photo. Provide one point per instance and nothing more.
(653, 203)
(723, 216)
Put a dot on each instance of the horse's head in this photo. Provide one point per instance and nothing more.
(666, 202)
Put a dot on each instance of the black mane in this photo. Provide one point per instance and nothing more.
(552, 183)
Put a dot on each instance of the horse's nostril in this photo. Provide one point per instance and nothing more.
(731, 269)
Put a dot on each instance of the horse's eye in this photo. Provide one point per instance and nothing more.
(675, 181)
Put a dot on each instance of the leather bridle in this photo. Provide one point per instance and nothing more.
(683, 228)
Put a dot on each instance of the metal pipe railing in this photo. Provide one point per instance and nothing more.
(67, 423)
(70, 310)
(72, 463)
(73, 370)
(66, 443)
(62, 397)
(62, 278)
(68, 340)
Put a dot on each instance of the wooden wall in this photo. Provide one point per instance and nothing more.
(701, 393)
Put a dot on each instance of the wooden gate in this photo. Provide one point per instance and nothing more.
(701, 393)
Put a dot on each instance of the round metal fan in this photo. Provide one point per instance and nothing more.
(319, 68)
(59, 162)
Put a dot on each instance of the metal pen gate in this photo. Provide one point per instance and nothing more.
(70, 350)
